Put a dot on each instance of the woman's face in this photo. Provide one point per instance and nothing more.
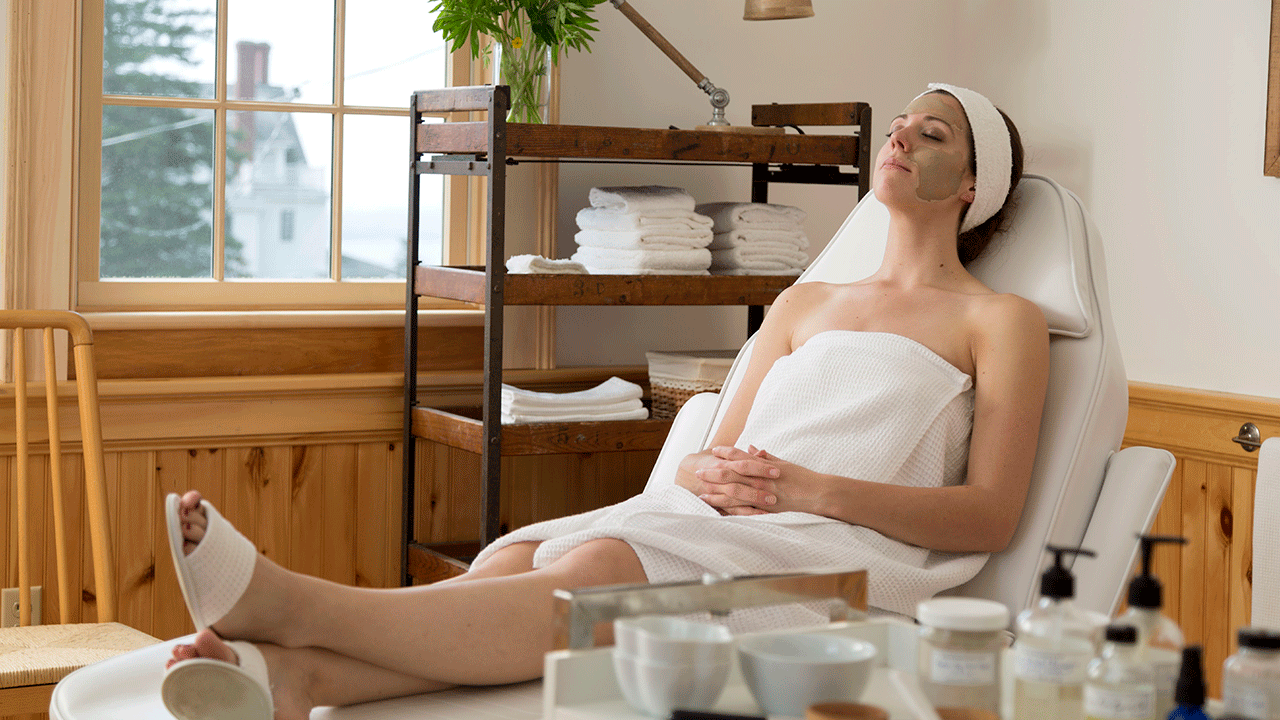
(927, 152)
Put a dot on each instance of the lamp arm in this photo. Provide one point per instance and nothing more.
(719, 96)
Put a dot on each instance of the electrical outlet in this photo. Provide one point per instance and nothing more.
(9, 606)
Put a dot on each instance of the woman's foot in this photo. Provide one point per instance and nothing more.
(265, 610)
(291, 681)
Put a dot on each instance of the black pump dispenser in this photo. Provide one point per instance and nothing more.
(1057, 581)
(1144, 589)
(1190, 688)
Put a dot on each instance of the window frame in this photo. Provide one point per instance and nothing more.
(463, 239)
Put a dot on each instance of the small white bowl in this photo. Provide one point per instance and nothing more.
(656, 688)
(673, 640)
(788, 673)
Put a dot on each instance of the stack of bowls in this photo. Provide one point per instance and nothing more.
(788, 673)
(668, 663)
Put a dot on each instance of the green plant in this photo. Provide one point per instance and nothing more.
(557, 24)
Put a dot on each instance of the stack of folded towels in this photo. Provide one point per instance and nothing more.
(756, 238)
(643, 230)
(613, 399)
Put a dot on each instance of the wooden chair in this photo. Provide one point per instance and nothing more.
(33, 658)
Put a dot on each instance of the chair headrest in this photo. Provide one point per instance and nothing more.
(1041, 256)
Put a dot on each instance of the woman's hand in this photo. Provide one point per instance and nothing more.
(729, 480)
(795, 488)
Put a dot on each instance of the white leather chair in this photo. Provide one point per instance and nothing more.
(1266, 536)
(1083, 491)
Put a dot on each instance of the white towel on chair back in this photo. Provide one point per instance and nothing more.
(1266, 538)
(872, 406)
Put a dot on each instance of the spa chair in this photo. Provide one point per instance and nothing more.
(1083, 491)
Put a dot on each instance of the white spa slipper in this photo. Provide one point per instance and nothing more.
(216, 573)
(208, 689)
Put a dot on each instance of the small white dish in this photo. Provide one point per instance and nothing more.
(656, 688)
(673, 640)
(788, 673)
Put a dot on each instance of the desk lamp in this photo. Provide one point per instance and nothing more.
(753, 10)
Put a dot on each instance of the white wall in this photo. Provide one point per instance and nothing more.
(1151, 110)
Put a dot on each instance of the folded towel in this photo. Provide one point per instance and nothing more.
(607, 258)
(603, 218)
(794, 239)
(613, 390)
(641, 414)
(667, 238)
(642, 198)
(522, 264)
(642, 271)
(751, 271)
(626, 406)
(731, 215)
(758, 259)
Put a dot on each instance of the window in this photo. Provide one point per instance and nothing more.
(254, 154)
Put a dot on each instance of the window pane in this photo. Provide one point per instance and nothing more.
(159, 47)
(280, 51)
(391, 52)
(278, 217)
(157, 193)
(374, 196)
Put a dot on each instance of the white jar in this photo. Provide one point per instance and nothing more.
(1251, 677)
(960, 644)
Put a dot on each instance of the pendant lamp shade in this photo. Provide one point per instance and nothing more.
(777, 9)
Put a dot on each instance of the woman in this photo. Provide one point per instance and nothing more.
(889, 423)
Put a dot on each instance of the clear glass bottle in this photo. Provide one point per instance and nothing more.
(1251, 677)
(961, 640)
(1119, 684)
(1160, 640)
(1055, 642)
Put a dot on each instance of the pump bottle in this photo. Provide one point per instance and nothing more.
(1119, 685)
(1055, 642)
(1189, 693)
(1160, 639)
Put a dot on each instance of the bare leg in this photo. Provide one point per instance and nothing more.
(510, 560)
(304, 678)
(486, 631)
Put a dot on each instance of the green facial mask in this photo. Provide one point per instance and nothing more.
(941, 171)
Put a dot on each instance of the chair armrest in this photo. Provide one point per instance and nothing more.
(688, 433)
(1132, 490)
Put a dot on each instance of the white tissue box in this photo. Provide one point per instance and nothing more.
(674, 377)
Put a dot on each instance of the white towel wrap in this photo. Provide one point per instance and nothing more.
(641, 198)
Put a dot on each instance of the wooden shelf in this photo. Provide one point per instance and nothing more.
(467, 283)
(461, 428)
(623, 143)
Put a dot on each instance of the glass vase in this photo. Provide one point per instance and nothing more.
(526, 69)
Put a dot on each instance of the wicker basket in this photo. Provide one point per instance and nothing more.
(674, 377)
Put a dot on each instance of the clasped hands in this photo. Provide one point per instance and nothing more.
(751, 482)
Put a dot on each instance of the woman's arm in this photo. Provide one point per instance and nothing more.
(1011, 356)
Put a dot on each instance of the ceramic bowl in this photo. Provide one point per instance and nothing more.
(673, 640)
(656, 688)
(788, 673)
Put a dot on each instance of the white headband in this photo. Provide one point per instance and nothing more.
(992, 153)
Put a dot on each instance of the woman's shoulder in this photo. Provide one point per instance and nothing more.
(1004, 319)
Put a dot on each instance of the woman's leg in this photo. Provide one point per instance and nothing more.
(485, 631)
(304, 678)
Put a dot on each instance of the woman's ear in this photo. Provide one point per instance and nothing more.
(969, 194)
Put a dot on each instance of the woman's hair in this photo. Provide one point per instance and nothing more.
(971, 244)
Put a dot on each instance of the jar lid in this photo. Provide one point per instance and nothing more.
(955, 613)
(1258, 638)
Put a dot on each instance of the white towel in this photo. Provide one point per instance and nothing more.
(613, 390)
(758, 259)
(732, 215)
(525, 264)
(792, 239)
(641, 198)
(875, 406)
(603, 218)
(641, 414)
(664, 238)
(608, 259)
(1266, 538)
(794, 272)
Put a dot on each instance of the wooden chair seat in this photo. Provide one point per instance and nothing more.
(44, 654)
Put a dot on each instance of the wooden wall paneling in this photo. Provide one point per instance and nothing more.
(339, 519)
(39, 533)
(395, 507)
(374, 526)
(240, 501)
(1193, 553)
(134, 537)
(551, 482)
(1166, 561)
(424, 489)
(206, 472)
(1240, 575)
(8, 567)
(274, 480)
(1217, 563)
(75, 517)
(306, 546)
(169, 618)
(464, 496)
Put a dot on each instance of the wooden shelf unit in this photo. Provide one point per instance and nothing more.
(485, 148)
